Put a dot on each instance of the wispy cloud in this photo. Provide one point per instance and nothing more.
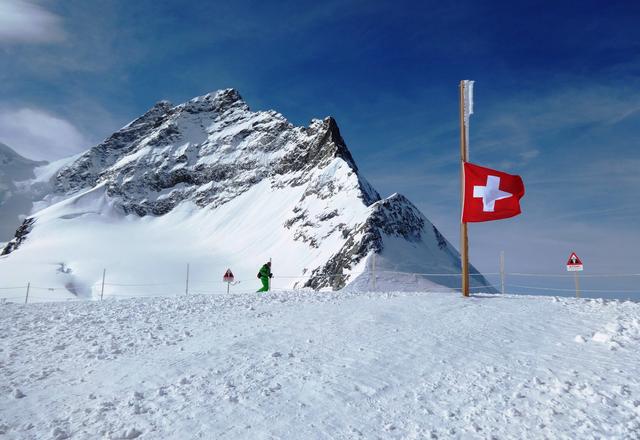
(36, 134)
(23, 21)
(568, 110)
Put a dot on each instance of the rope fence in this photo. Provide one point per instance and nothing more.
(25, 293)
(573, 290)
(591, 275)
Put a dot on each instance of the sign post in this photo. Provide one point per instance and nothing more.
(186, 287)
(228, 278)
(502, 272)
(574, 264)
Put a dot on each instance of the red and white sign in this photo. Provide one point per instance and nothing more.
(574, 264)
(228, 276)
(490, 194)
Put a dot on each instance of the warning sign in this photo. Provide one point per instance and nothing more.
(574, 264)
(228, 276)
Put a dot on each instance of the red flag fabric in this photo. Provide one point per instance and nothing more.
(490, 194)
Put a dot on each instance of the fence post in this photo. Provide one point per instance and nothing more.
(373, 270)
(26, 298)
(104, 273)
(186, 289)
(502, 272)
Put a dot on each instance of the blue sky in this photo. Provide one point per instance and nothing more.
(557, 99)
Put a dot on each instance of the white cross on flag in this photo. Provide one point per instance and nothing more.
(490, 194)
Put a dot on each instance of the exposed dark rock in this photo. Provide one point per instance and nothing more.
(20, 237)
(442, 242)
(395, 216)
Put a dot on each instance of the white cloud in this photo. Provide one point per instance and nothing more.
(39, 135)
(23, 21)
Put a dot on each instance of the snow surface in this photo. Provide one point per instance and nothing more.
(85, 234)
(329, 365)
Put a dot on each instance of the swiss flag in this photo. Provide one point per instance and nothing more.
(490, 194)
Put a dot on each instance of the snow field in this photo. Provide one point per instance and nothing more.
(321, 365)
(76, 239)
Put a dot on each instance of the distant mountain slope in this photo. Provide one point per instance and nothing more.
(212, 183)
(14, 202)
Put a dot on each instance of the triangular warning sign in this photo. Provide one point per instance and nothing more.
(228, 276)
(574, 260)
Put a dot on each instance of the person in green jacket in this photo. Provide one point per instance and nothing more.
(264, 275)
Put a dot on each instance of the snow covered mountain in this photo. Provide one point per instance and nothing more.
(214, 184)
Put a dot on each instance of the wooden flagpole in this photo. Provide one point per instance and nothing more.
(464, 240)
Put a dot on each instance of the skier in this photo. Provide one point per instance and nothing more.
(264, 275)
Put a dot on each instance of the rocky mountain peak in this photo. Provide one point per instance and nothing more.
(209, 150)
(335, 143)
(219, 102)
(151, 117)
